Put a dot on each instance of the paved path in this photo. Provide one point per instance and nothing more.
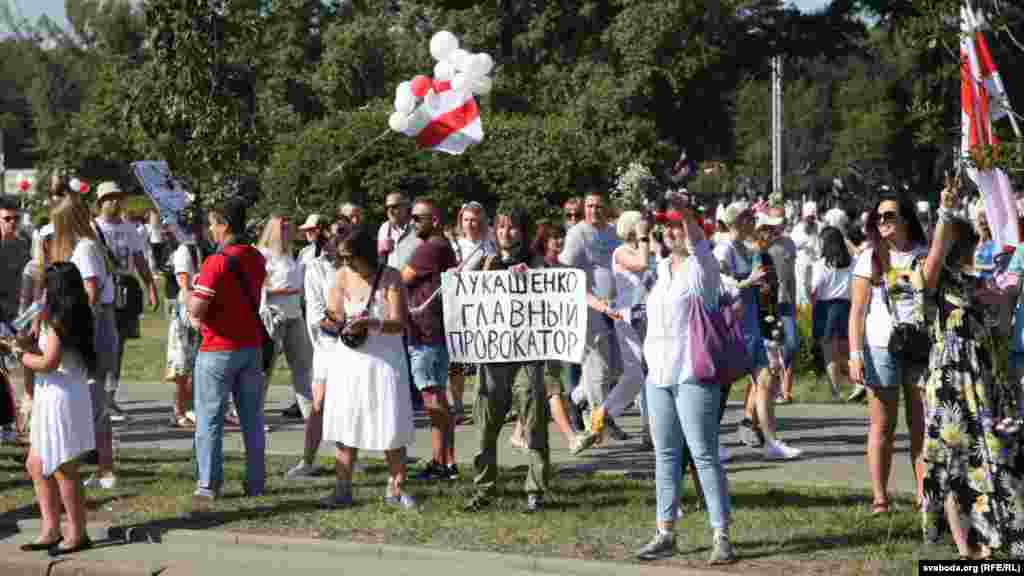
(833, 437)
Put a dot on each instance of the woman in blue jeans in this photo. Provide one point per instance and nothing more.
(683, 412)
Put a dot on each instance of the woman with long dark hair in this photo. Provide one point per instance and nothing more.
(367, 403)
(62, 421)
(887, 333)
(830, 301)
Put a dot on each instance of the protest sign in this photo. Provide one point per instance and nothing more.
(167, 194)
(502, 316)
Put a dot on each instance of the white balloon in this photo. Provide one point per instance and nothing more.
(442, 44)
(483, 85)
(482, 64)
(444, 71)
(75, 184)
(405, 103)
(461, 58)
(461, 82)
(398, 121)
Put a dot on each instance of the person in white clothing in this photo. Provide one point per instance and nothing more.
(127, 250)
(365, 392)
(472, 246)
(62, 423)
(182, 336)
(630, 263)
(74, 240)
(319, 280)
(808, 249)
(312, 229)
(282, 310)
(887, 290)
(396, 238)
(830, 303)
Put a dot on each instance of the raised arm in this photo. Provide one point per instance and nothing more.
(942, 239)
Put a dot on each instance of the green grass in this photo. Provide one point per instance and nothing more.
(145, 358)
(776, 530)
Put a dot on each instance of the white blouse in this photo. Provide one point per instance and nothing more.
(667, 345)
(284, 272)
(320, 277)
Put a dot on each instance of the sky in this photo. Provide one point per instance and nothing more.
(32, 9)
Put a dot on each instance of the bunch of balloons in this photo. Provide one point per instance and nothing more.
(456, 69)
(79, 186)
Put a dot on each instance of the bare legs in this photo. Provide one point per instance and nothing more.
(182, 395)
(64, 488)
(442, 431)
(883, 407)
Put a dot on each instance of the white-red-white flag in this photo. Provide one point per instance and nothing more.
(976, 77)
(446, 120)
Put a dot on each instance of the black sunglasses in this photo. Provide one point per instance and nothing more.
(9, 218)
(888, 217)
(572, 215)
(422, 217)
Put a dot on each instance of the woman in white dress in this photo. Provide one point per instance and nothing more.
(62, 423)
(368, 402)
(182, 336)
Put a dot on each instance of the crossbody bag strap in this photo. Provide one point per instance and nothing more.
(373, 289)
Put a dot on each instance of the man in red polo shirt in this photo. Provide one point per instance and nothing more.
(225, 301)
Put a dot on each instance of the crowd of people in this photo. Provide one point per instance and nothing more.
(355, 314)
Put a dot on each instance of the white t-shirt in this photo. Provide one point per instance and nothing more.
(466, 248)
(879, 322)
(124, 242)
(829, 283)
(183, 263)
(88, 258)
(284, 272)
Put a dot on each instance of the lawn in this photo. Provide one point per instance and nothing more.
(791, 531)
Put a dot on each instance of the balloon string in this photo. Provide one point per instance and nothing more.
(422, 307)
(339, 167)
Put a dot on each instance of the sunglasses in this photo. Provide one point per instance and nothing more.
(572, 215)
(392, 206)
(422, 217)
(890, 217)
(9, 218)
(594, 206)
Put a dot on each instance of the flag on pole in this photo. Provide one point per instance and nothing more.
(446, 121)
(976, 116)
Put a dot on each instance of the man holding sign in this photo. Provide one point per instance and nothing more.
(494, 397)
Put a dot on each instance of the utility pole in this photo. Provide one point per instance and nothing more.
(776, 125)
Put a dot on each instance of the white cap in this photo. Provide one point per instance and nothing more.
(313, 221)
(836, 218)
(924, 206)
(810, 209)
(46, 231)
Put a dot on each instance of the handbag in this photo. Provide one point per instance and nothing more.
(908, 341)
(718, 353)
(267, 347)
(356, 338)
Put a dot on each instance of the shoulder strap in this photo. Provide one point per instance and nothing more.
(232, 262)
(373, 289)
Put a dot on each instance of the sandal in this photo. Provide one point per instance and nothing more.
(879, 507)
(180, 421)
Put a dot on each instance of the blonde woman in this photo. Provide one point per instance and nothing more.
(74, 240)
(473, 243)
(282, 304)
(31, 291)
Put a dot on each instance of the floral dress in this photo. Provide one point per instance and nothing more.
(967, 395)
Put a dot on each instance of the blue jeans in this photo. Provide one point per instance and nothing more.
(685, 417)
(238, 372)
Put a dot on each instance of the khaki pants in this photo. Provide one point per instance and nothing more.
(494, 399)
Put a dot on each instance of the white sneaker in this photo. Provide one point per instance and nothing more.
(723, 455)
(301, 472)
(778, 450)
(106, 482)
(191, 416)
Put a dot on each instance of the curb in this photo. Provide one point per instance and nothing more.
(27, 565)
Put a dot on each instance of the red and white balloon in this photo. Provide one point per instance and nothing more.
(23, 183)
(79, 186)
(456, 69)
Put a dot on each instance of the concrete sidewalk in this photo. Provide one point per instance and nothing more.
(832, 436)
(186, 552)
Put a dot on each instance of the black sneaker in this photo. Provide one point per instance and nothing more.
(292, 411)
(452, 472)
(433, 471)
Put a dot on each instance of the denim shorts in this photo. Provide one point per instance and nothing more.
(883, 371)
(429, 365)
